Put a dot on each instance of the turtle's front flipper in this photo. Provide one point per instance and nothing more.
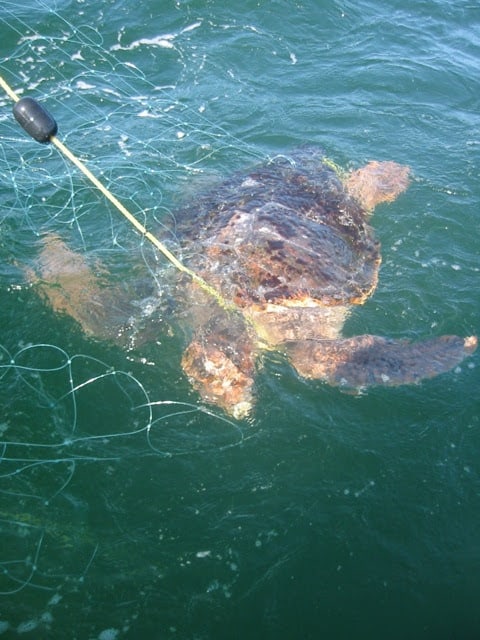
(65, 280)
(367, 360)
(80, 290)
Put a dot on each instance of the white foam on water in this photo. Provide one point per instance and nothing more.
(109, 634)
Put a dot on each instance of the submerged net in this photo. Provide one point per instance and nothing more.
(40, 457)
(79, 440)
(145, 138)
(134, 110)
(121, 498)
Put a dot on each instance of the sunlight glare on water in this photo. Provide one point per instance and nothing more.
(128, 508)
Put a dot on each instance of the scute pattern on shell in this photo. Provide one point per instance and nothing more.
(290, 248)
(285, 232)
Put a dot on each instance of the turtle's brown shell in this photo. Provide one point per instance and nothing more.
(290, 247)
(286, 233)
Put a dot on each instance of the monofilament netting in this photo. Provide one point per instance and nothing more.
(70, 420)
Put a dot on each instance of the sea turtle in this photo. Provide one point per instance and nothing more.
(290, 247)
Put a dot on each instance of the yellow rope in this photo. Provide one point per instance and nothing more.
(129, 216)
(8, 90)
(333, 165)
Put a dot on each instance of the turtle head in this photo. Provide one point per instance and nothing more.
(377, 182)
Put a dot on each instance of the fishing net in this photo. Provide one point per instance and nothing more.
(145, 138)
(75, 427)
(127, 508)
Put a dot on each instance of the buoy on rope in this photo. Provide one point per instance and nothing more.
(36, 120)
(41, 126)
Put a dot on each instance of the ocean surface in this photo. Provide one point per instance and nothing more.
(127, 508)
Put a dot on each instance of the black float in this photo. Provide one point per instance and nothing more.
(36, 121)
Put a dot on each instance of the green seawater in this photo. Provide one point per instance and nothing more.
(127, 510)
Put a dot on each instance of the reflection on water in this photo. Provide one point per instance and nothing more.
(126, 508)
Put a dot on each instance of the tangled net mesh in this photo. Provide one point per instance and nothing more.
(144, 138)
(41, 458)
(147, 138)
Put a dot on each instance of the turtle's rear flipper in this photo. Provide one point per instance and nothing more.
(367, 360)
(218, 379)
(220, 361)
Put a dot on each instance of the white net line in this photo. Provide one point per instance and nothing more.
(104, 104)
(107, 107)
(46, 438)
